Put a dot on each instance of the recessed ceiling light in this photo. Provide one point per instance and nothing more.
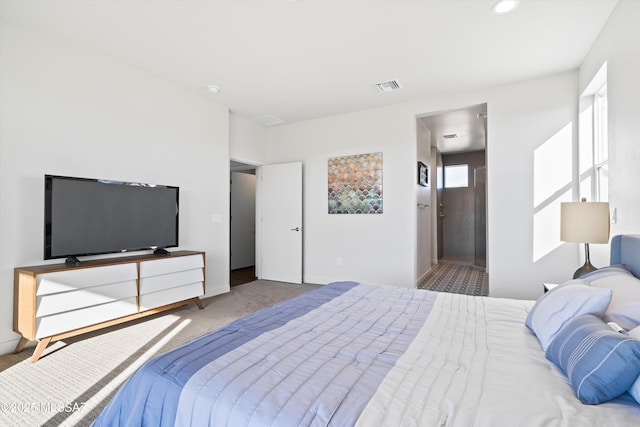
(213, 89)
(504, 6)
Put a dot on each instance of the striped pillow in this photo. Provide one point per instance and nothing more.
(600, 363)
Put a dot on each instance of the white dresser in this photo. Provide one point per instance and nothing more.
(57, 301)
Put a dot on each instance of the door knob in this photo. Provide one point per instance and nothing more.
(295, 229)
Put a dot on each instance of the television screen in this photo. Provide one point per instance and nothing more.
(92, 216)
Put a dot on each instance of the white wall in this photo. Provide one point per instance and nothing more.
(380, 248)
(619, 45)
(531, 137)
(72, 112)
(374, 248)
(247, 141)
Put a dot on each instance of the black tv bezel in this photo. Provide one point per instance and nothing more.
(47, 219)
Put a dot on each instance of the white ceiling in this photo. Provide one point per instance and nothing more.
(469, 125)
(314, 58)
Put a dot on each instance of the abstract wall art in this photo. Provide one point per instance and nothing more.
(355, 184)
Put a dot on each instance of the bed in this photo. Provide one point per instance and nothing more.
(354, 354)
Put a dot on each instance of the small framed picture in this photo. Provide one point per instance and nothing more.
(423, 174)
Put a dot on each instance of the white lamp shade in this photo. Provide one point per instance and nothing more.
(584, 222)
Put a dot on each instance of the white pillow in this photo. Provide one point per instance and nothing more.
(561, 304)
(635, 390)
(624, 308)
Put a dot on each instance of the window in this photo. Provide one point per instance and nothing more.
(593, 143)
(601, 144)
(456, 176)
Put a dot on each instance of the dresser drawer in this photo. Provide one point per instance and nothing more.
(70, 320)
(159, 267)
(171, 280)
(64, 281)
(86, 297)
(168, 296)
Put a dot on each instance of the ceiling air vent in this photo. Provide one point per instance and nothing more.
(389, 86)
(267, 120)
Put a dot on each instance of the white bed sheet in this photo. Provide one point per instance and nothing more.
(474, 363)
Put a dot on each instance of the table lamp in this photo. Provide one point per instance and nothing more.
(584, 222)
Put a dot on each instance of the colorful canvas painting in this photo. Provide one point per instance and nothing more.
(355, 184)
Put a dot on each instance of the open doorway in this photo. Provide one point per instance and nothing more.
(271, 248)
(459, 140)
(242, 216)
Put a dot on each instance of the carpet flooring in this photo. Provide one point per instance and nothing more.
(456, 279)
(77, 377)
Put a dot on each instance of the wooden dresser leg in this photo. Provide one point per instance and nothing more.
(21, 344)
(198, 303)
(39, 349)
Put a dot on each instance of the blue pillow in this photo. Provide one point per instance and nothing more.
(563, 303)
(600, 363)
(607, 271)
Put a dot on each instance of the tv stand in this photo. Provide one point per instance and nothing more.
(161, 251)
(72, 260)
(56, 301)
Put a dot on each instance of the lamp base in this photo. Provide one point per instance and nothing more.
(586, 268)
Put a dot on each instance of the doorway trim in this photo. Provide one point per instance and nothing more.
(474, 112)
(236, 165)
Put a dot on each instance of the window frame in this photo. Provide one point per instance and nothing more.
(601, 144)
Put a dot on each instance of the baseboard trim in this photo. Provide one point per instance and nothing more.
(421, 278)
(8, 347)
(217, 290)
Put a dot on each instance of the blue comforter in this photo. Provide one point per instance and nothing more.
(314, 360)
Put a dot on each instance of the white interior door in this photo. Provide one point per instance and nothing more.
(280, 222)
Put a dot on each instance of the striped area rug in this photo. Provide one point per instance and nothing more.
(456, 279)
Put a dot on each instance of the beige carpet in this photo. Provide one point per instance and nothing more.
(76, 378)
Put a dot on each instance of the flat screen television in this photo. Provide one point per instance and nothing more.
(85, 216)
